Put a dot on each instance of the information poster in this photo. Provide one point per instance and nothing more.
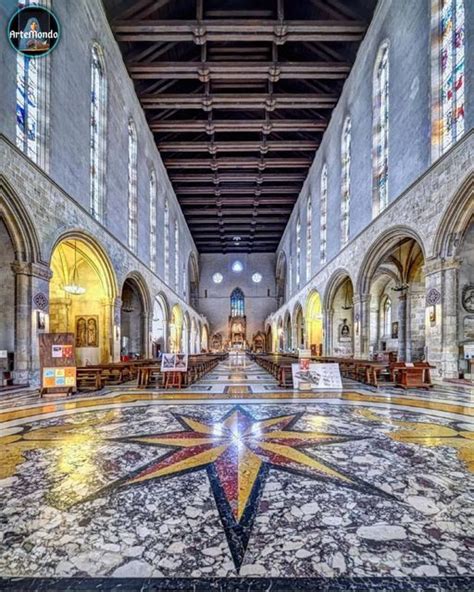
(315, 377)
(174, 363)
(58, 362)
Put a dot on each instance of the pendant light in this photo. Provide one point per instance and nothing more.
(401, 286)
(74, 287)
(347, 300)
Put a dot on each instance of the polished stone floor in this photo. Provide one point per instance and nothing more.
(235, 484)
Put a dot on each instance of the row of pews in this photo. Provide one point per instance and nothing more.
(371, 372)
(147, 373)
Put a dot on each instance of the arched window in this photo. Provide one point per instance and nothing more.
(237, 303)
(345, 180)
(448, 73)
(387, 317)
(176, 256)
(98, 132)
(323, 215)
(167, 241)
(380, 131)
(32, 101)
(309, 242)
(153, 199)
(132, 187)
(298, 252)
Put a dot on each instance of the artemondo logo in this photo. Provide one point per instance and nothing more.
(33, 31)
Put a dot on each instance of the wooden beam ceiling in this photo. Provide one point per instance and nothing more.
(238, 94)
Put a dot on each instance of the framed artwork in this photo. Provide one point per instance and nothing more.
(344, 331)
(40, 321)
(395, 330)
(87, 331)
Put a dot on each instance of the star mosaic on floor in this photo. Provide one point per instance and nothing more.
(348, 488)
(237, 453)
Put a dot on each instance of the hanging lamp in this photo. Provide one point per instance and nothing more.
(401, 286)
(74, 287)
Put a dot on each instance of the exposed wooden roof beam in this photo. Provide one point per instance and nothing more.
(275, 31)
(239, 125)
(205, 71)
(236, 177)
(259, 146)
(265, 101)
(240, 162)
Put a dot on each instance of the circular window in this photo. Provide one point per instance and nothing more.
(217, 278)
(257, 278)
(237, 266)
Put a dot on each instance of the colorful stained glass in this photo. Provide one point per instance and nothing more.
(309, 238)
(380, 130)
(298, 252)
(176, 256)
(153, 200)
(97, 131)
(237, 303)
(345, 180)
(132, 187)
(167, 241)
(452, 71)
(323, 215)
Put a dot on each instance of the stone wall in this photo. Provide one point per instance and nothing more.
(68, 129)
(214, 299)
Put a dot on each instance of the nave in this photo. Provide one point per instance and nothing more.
(238, 478)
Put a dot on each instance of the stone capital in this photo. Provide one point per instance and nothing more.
(433, 266)
(37, 270)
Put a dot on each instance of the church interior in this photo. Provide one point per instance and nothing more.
(237, 295)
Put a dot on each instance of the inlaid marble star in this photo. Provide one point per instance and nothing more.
(237, 452)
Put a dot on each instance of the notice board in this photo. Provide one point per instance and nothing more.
(58, 362)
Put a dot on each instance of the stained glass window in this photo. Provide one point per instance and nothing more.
(237, 303)
(298, 252)
(176, 256)
(98, 134)
(345, 180)
(167, 241)
(323, 214)
(153, 199)
(309, 247)
(380, 130)
(451, 64)
(132, 187)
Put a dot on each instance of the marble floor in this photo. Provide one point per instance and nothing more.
(235, 484)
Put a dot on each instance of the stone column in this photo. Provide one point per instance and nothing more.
(361, 325)
(402, 327)
(441, 333)
(31, 297)
(328, 329)
(146, 335)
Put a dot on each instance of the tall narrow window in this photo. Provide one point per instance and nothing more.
(98, 133)
(323, 215)
(167, 241)
(153, 199)
(176, 256)
(345, 180)
(387, 317)
(380, 131)
(32, 100)
(448, 73)
(309, 241)
(298, 252)
(132, 187)
(237, 303)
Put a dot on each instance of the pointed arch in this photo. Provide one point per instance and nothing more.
(19, 224)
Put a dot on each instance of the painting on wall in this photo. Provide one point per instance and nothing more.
(395, 330)
(344, 331)
(87, 331)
